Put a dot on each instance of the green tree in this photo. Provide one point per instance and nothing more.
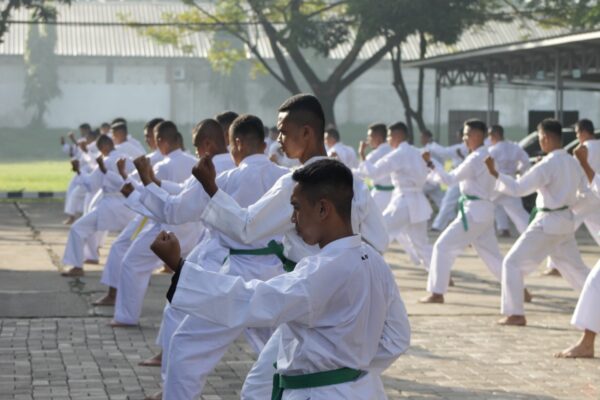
(297, 33)
(41, 83)
(42, 11)
(577, 15)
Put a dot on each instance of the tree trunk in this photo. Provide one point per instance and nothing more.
(327, 99)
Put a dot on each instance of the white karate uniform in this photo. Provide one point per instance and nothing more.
(319, 328)
(510, 159)
(183, 357)
(110, 214)
(557, 178)
(139, 261)
(130, 148)
(447, 211)
(432, 189)
(587, 210)
(345, 154)
(271, 215)
(112, 268)
(587, 314)
(408, 211)
(473, 179)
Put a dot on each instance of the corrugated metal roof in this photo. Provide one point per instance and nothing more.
(122, 41)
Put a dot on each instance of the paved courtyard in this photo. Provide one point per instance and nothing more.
(55, 345)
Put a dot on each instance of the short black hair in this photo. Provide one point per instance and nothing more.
(94, 133)
(167, 130)
(334, 133)
(427, 132)
(152, 123)
(249, 127)
(226, 118)
(208, 129)
(497, 129)
(399, 126)
(585, 125)
(378, 129)
(476, 124)
(119, 119)
(105, 125)
(180, 141)
(552, 126)
(85, 127)
(305, 109)
(104, 140)
(119, 126)
(329, 179)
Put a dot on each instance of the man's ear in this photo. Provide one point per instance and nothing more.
(238, 144)
(325, 208)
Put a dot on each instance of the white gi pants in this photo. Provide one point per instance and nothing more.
(112, 268)
(453, 241)
(513, 209)
(83, 241)
(587, 312)
(412, 236)
(448, 209)
(136, 269)
(434, 192)
(74, 199)
(381, 198)
(532, 247)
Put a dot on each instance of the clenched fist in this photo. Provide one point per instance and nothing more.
(127, 189)
(166, 247)
(204, 171)
(491, 166)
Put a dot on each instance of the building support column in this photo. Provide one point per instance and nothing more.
(438, 105)
(558, 89)
(490, 96)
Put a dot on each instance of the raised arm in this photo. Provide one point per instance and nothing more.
(523, 186)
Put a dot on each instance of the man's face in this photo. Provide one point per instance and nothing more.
(473, 138)
(394, 138)
(104, 130)
(372, 140)
(291, 136)
(149, 137)
(306, 216)
(424, 139)
(493, 137)
(544, 141)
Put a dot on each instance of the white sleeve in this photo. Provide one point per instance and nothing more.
(458, 174)
(382, 168)
(523, 186)
(232, 302)
(181, 208)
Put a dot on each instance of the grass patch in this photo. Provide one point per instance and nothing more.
(40, 176)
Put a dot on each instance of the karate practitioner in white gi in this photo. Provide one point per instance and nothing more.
(433, 189)
(110, 213)
(301, 125)
(345, 343)
(512, 160)
(408, 211)
(382, 187)
(558, 179)
(587, 313)
(339, 150)
(475, 222)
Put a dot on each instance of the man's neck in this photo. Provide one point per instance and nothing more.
(318, 151)
(336, 234)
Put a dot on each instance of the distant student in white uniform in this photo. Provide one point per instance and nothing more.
(110, 213)
(475, 221)
(124, 142)
(225, 119)
(112, 268)
(309, 305)
(301, 124)
(512, 160)
(587, 313)
(377, 140)
(408, 211)
(339, 150)
(558, 179)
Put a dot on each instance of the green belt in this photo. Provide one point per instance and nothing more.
(273, 248)
(535, 210)
(317, 379)
(461, 207)
(384, 188)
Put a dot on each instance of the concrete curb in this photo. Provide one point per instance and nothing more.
(32, 195)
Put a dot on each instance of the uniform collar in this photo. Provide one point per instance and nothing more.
(348, 242)
(258, 158)
(175, 153)
(313, 159)
(557, 152)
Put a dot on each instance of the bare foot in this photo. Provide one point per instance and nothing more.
(155, 396)
(513, 320)
(165, 270)
(505, 233)
(433, 298)
(528, 296)
(116, 324)
(106, 300)
(93, 262)
(580, 350)
(155, 361)
(551, 272)
(70, 219)
(73, 272)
